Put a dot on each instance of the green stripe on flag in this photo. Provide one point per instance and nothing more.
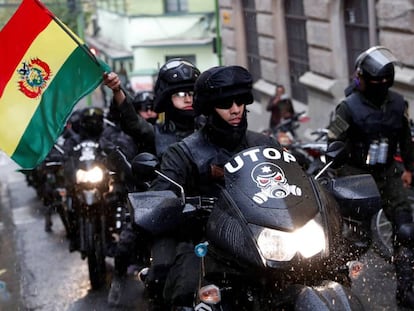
(78, 76)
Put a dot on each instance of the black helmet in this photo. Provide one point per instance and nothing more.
(143, 101)
(91, 122)
(376, 63)
(178, 74)
(221, 83)
(74, 120)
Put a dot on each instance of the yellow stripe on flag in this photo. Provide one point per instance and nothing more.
(53, 46)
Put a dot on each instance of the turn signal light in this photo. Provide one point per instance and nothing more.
(209, 294)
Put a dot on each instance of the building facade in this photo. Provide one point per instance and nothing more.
(310, 47)
(137, 37)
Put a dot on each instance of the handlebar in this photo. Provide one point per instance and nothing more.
(322, 133)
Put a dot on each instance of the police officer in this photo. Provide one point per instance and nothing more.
(221, 94)
(143, 103)
(174, 91)
(173, 96)
(373, 122)
(91, 126)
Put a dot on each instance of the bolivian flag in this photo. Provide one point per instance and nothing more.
(45, 70)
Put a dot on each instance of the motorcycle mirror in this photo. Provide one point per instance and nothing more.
(144, 166)
(335, 149)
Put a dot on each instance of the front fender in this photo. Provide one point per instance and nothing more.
(329, 296)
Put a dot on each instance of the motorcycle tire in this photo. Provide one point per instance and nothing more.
(95, 256)
(382, 236)
(48, 219)
(63, 217)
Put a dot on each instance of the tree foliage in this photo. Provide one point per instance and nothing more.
(66, 10)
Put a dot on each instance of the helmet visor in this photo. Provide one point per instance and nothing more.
(376, 58)
(175, 63)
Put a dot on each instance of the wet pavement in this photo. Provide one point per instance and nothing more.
(9, 274)
(37, 272)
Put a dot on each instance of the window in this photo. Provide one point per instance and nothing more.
(356, 30)
(252, 45)
(297, 47)
(173, 6)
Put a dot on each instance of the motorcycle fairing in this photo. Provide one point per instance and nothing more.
(89, 155)
(228, 230)
(156, 211)
(236, 213)
(270, 188)
(358, 196)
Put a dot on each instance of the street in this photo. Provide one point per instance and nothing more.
(37, 272)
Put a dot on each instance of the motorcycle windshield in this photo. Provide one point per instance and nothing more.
(270, 188)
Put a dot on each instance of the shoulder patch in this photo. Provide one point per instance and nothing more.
(337, 127)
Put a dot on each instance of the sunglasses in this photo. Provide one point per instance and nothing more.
(146, 108)
(184, 94)
(227, 103)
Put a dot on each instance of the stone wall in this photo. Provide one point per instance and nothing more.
(328, 75)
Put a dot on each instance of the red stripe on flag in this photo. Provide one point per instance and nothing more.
(16, 37)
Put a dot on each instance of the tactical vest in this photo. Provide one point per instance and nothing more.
(165, 137)
(371, 123)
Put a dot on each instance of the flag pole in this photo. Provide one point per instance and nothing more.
(70, 34)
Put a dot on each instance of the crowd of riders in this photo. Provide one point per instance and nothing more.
(204, 123)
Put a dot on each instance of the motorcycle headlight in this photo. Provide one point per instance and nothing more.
(93, 175)
(276, 245)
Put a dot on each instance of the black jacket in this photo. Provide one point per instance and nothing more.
(137, 127)
(195, 162)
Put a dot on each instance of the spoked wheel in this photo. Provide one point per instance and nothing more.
(382, 236)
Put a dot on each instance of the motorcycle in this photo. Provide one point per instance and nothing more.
(54, 191)
(305, 152)
(48, 181)
(89, 208)
(272, 240)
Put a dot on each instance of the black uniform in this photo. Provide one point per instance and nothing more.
(137, 127)
(156, 138)
(359, 123)
(196, 163)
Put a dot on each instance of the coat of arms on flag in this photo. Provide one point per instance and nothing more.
(34, 76)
